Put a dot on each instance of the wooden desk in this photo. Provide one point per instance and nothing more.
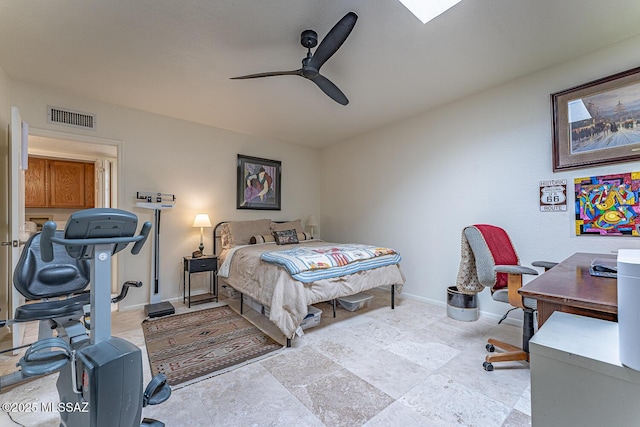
(569, 287)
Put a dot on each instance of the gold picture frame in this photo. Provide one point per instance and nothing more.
(598, 122)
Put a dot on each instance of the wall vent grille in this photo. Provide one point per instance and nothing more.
(71, 118)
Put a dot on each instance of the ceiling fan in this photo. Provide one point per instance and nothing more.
(312, 63)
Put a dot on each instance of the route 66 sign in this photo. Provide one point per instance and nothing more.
(553, 195)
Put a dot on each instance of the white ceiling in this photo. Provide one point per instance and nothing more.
(175, 57)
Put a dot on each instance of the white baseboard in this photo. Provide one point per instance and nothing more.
(486, 314)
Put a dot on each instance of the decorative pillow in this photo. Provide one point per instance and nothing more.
(262, 238)
(304, 236)
(296, 225)
(286, 237)
(268, 238)
(239, 232)
(225, 236)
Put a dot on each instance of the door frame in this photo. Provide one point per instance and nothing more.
(47, 133)
(116, 185)
(17, 145)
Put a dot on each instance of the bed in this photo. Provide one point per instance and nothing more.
(243, 246)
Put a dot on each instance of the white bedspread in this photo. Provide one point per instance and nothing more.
(287, 298)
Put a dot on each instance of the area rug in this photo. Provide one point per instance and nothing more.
(193, 346)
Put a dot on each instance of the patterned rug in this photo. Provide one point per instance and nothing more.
(201, 344)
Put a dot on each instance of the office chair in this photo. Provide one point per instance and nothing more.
(493, 262)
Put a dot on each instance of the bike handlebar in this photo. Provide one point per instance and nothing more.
(48, 238)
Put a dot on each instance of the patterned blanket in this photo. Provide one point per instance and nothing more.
(308, 264)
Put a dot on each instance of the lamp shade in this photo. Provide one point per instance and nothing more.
(312, 221)
(202, 220)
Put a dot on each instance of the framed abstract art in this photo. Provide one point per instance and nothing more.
(259, 183)
(608, 205)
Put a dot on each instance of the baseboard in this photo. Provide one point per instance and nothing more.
(486, 314)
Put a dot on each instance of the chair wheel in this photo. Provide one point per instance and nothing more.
(487, 366)
(490, 348)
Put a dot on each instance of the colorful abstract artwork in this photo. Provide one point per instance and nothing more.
(608, 205)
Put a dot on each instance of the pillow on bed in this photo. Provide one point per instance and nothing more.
(286, 237)
(304, 236)
(239, 232)
(225, 238)
(269, 238)
(262, 238)
(295, 225)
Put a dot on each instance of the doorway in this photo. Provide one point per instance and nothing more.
(47, 143)
(105, 154)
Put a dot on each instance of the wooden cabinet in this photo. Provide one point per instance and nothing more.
(71, 184)
(53, 183)
(36, 184)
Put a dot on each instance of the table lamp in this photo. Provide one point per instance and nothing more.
(312, 221)
(202, 220)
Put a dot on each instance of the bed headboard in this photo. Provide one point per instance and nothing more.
(217, 235)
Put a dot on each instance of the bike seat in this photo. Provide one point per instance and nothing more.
(51, 309)
(36, 279)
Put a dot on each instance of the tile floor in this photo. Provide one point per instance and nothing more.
(412, 366)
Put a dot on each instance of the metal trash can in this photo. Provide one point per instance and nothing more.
(461, 306)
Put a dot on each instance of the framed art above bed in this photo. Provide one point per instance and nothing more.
(259, 183)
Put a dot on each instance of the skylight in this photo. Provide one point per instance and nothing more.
(426, 10)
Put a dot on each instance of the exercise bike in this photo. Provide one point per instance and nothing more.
(100, 380)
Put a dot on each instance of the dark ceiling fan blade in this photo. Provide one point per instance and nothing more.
(333, 40)
(270, 74)
(330, 89)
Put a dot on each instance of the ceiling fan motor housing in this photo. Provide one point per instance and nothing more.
(308, 71)
(309, 39)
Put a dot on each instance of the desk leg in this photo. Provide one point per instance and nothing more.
(189, 299)
(544, 311)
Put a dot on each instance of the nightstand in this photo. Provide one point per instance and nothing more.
(205, 263)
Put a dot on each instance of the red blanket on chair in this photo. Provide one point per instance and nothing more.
(501, 249)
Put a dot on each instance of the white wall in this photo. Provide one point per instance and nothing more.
(195, 162)
(412, 186)
(415, 185)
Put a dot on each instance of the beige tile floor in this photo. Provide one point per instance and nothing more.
(412, 366)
